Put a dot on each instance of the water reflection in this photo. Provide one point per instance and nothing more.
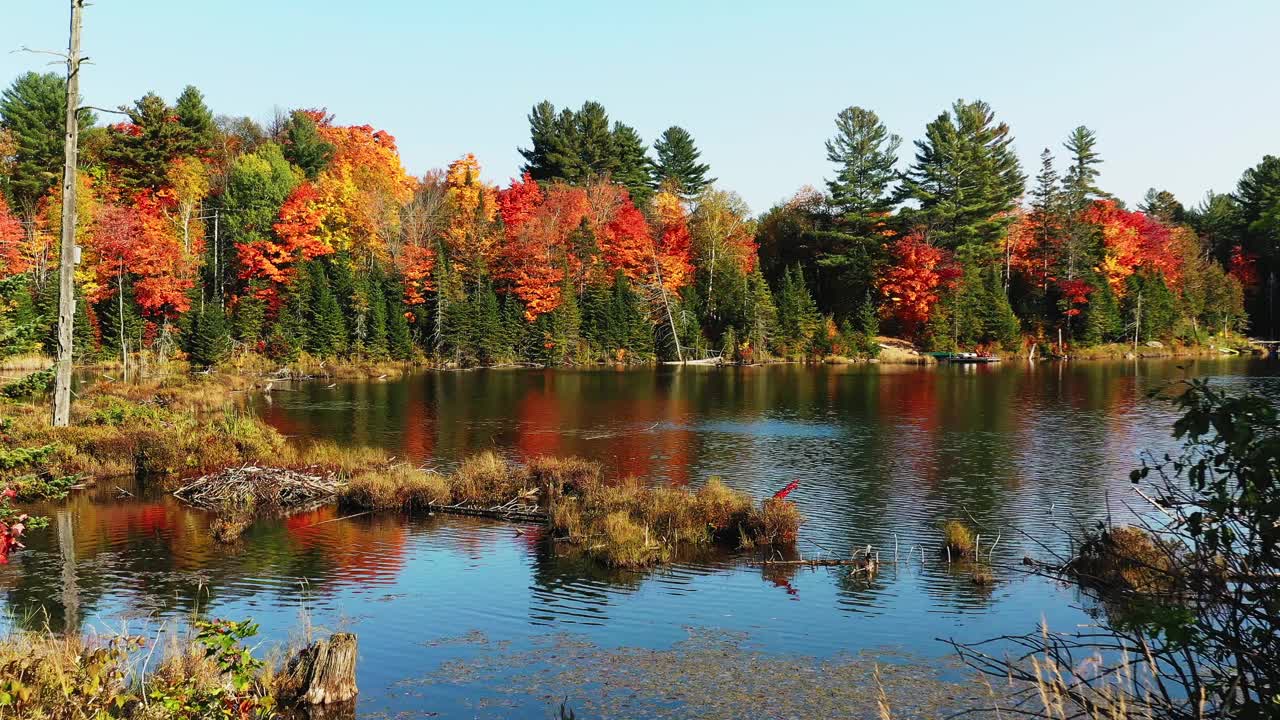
(883, 455)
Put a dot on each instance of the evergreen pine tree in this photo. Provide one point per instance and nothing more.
(965, 179)
(1079, 190)
(84, 343)
(249, 317)
(565, 329)
(678, 165)
(142, 155)
(762, 313)
(290, 333)
(634, 169)
(197, 119)
(304, 146)
(205, 337)
(868, 327)
(798, 318)
(376, 339)
(1102, 322)
(399, 339)
(33, 109)
(326, 331)
(489, 331)
(864, 152)
(1163, 206)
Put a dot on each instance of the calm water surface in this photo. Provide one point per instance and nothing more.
(883, 454)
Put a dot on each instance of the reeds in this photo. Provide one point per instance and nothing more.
(621, 522)
(1127, 559)
(957, 540)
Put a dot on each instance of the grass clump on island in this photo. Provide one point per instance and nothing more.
(173, 426)
(621, 522)
(957, 540)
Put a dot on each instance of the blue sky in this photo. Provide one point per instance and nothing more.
(1182, 94)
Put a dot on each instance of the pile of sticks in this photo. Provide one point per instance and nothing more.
(263, 489)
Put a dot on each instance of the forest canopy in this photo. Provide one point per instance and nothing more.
(209, 234)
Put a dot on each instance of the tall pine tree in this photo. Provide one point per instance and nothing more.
(678, 163)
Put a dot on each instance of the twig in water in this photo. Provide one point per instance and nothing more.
(345, 517)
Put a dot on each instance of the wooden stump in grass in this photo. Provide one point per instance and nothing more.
(324, 672)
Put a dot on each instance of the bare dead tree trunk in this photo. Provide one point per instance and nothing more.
(66, 277)
(666, 304)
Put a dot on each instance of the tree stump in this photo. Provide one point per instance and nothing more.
(324, 672)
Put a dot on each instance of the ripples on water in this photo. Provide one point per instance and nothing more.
(883, 456)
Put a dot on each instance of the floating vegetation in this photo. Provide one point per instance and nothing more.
(713, 674)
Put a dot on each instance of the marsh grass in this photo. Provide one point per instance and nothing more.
(957, 540)
(50, 676)
(622, 522)
(1128, 559)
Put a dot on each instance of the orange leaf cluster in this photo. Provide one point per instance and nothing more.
(14, 254)
(911, 284)
(674, 247)
(625, 242)
(139, 241)
(537, 253)
(472, 237)
(1132, 241)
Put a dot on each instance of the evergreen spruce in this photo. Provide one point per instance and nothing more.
(868, 327)
(197, 119)
(399, 338)
(304, 146)
(326, 332)
(249, 317)
(762, 313)
(677, 164)
(206, 339)
(798, 318)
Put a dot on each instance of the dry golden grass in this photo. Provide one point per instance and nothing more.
(1128, 559)
(957, 540)
(400, 487)
(622, 522)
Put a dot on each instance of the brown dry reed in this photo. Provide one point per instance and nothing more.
(622, 522)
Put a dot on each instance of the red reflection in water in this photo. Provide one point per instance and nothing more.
(417, 439)
(538, 414)
(363, 551)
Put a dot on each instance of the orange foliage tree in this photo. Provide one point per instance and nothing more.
(472, 235)
(910, 285)
(14, 256)
(674, 247)
(625, 242)
(1132, 241)
(536, 253)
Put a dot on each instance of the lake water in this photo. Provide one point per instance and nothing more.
(471, 618)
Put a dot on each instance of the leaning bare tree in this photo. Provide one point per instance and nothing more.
(1190, 613)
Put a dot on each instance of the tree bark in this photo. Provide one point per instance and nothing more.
(324, 672)
(66, 276)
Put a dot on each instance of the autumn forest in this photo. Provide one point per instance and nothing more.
(208, 234)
